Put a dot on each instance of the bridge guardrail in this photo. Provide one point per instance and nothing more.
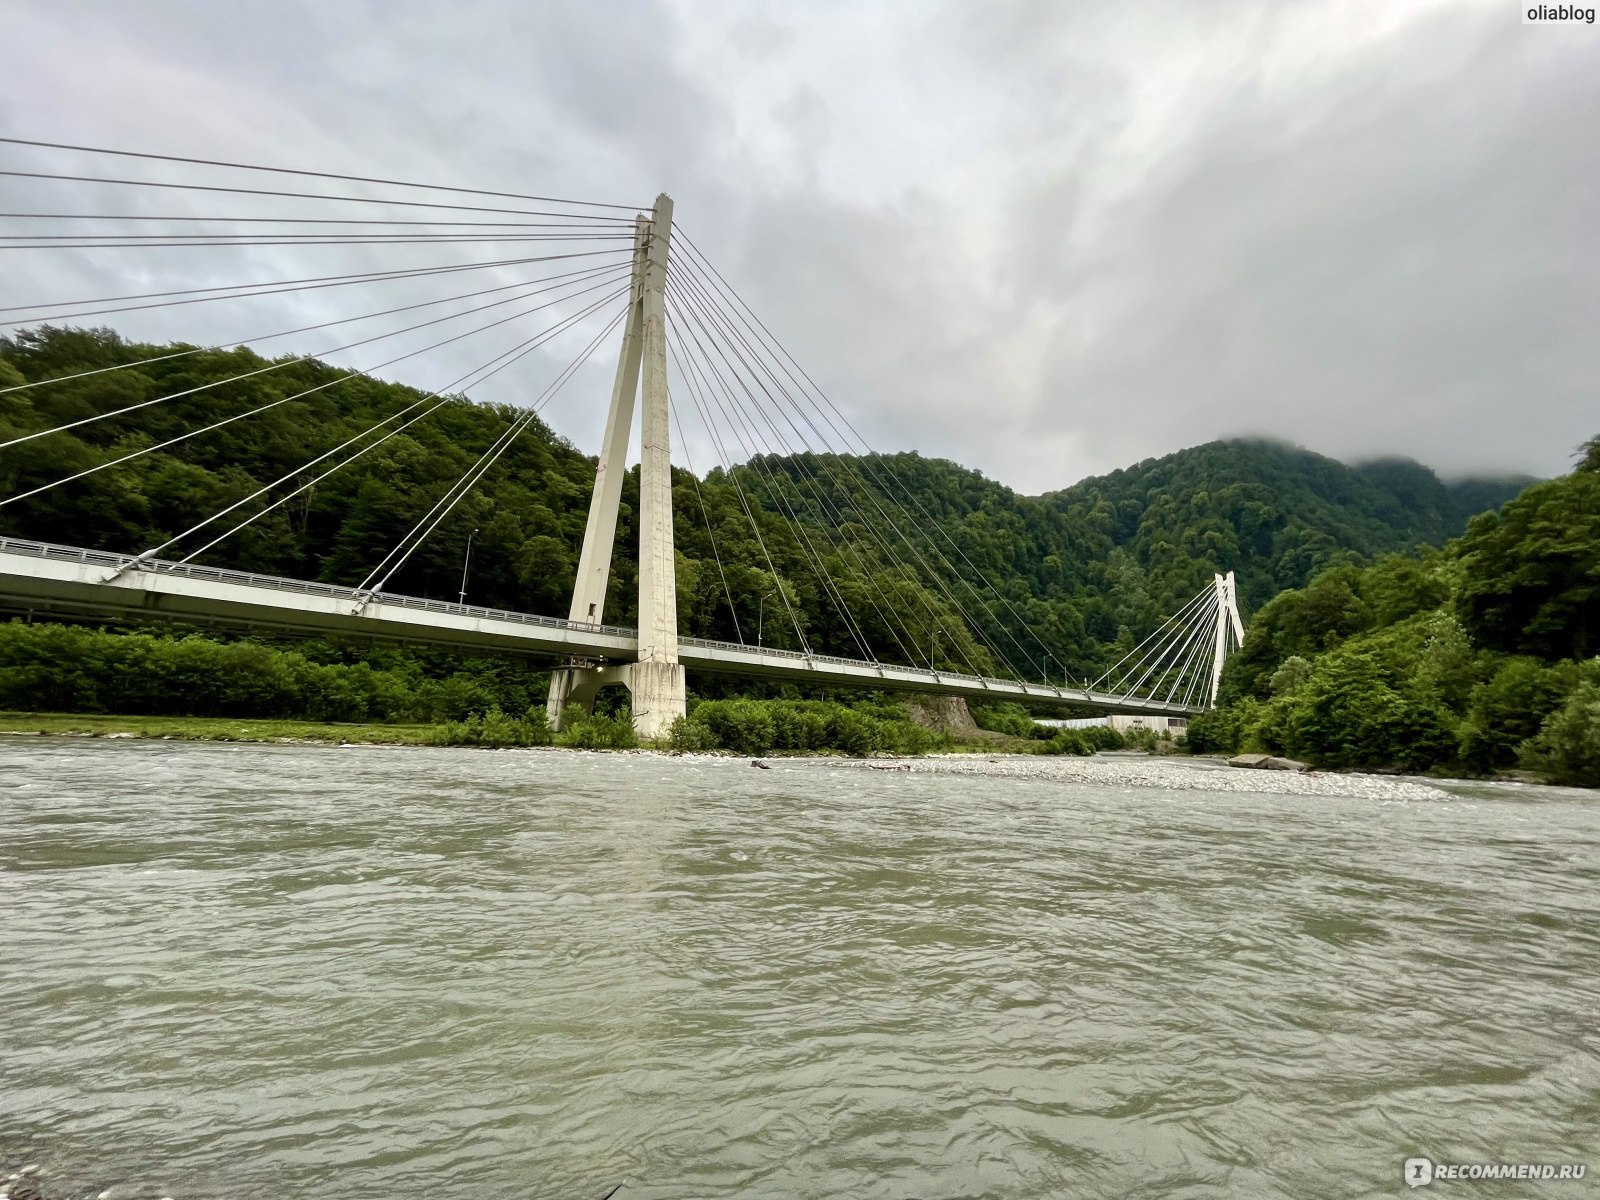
(304, 587)
(308, 587)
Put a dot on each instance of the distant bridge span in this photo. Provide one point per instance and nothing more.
(68, 581)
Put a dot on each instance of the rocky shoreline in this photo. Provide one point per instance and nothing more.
(1121, 770)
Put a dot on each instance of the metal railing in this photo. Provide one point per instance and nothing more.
(305, 587)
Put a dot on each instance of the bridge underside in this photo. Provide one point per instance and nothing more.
(67, 582)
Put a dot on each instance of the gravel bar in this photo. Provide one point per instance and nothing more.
(1117, 770)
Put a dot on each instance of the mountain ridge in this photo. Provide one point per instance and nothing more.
(1075, 572)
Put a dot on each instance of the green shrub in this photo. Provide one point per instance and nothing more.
(496, 729)
(1216, 732)
(743, 726)
(599, 732)
(1567, 748)
(1141, 737)
(1103, 737)
(907, 737)
(852, 732)
(1349, 714)
(1004, 718)
(1510, 708)
(1068, 741)
(691, 736)
(799, 724)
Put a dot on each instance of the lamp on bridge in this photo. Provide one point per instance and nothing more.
(761, 605)
(466, 563)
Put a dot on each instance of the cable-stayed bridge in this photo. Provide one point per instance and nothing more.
(687, 344)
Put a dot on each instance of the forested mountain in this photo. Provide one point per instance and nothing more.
(1476, 657)
(886, 554)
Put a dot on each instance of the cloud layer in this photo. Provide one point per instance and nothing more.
(1043, 240)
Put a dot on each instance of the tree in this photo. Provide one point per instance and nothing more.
(1567, 748)
(1532, 571)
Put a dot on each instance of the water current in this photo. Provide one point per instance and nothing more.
(248, 971)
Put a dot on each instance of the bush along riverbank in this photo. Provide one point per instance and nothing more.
(142, 683)
(737, 727)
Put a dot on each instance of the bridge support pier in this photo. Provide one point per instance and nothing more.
(658, 690)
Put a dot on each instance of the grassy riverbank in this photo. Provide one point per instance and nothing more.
(216, 729)
(492, 731)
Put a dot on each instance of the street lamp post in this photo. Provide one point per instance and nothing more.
(761, 608)
(466, 564)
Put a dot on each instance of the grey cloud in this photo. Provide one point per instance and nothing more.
(1042, 240)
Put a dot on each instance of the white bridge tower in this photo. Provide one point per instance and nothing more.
(656, 680)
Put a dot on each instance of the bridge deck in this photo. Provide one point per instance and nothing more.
(68, 581)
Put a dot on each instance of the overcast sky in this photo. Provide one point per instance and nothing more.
(1043, 239)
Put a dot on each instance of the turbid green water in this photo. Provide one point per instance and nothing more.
(350, 973)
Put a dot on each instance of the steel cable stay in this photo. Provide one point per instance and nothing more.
(814, 557)
(852, 460)
(911, 657)
(1188, 672)
(323, 240)
(1188, 658)
(574, 276)
(289, 362)
(862, 568)
(705, 515)
(586, 224)
(443, 396)
(937, 577)
(888, 549)
(382, 202)
(245, 291)
(761, 468)
(475, 473)
(297, 395)
(1183, 653)
(825, 508)
(780, 498)
(1160, 632)
(860, 463)
(725, 462)
(861, 457)
(703, 369)
(1197, 669)
(1179, 640)
(238, 166)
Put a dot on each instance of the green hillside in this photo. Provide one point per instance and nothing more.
(880, 555)
(1475, 658)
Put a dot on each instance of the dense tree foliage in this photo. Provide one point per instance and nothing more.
(890, 556)
(1476, 657)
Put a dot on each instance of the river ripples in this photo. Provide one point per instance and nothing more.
(249, 971)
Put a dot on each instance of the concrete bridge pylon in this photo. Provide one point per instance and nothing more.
(656, 681)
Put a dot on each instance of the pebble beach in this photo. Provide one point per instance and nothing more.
(1129, 771)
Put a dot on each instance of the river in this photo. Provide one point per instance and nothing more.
(251, 971)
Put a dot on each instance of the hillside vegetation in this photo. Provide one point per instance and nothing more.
(1475, 658)
(1086, 569)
